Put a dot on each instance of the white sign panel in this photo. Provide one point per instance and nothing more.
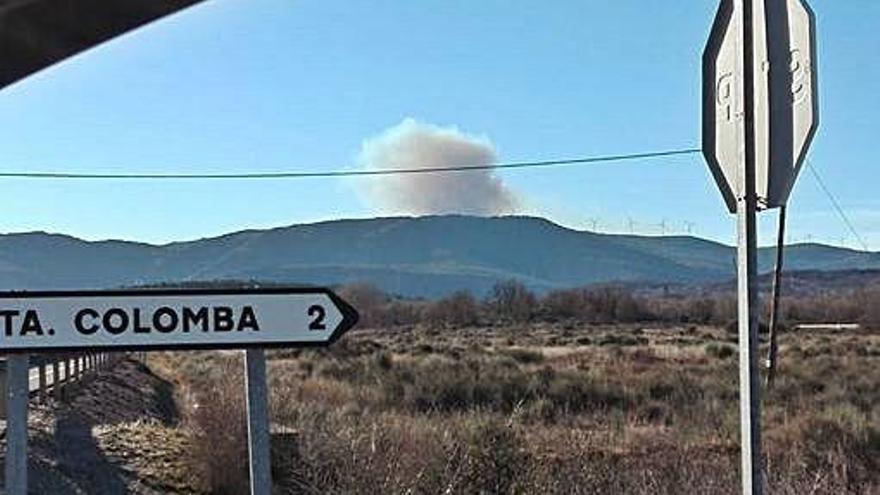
(138, 319)
(785, 97)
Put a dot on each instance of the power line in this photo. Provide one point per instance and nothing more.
(836, 205)
(344, 173)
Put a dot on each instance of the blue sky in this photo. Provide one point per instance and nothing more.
(272, 85)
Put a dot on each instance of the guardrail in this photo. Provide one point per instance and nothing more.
(56, 374)
(834, 327)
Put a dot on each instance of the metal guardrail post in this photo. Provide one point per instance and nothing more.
(3, 389)
(41, 378)
(56, 379)
(66, 364)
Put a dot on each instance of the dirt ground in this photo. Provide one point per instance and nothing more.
(113, 433)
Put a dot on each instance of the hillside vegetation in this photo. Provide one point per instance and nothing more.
(412, 257)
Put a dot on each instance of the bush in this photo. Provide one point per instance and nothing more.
(494, 457)
(598, 305)
(622, 340)
(720, 351)
(459, 309)
(525, 356)
(217, 424)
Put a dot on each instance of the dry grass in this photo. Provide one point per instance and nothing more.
(211, 395)
(547, 408)
(162, 453)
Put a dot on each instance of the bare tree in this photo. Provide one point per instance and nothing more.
(370, 301)
(458, 309)
(511, 299)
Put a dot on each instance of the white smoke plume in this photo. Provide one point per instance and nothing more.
(414, 145)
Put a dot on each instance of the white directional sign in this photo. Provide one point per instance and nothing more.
(785, 97)
(156, 319)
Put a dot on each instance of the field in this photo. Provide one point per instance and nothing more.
(561, 407)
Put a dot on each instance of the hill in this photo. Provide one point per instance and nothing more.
(425, 256)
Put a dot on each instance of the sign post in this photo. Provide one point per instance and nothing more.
(259, 440)
(747, 274)
(760, 113)
(16, 424)
(747, 294)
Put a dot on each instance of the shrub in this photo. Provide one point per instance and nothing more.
(216, 423)
(494, 457)
(603, 304)
(720, 351)
(622, 340)
(459, 309)
(525, 356)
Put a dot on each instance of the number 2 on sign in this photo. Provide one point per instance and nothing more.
(317, 312)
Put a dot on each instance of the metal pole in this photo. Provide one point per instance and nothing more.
(41, 379)
(774, 308)
(56, 378)
(16, 424)
(258, 422)
(747, 247)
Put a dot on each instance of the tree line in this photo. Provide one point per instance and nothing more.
(513, 302)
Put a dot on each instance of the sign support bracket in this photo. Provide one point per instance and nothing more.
(773, 351)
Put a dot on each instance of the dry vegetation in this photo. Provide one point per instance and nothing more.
(538, 401)
(511, 301)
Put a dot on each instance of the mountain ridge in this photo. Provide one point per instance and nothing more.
(412, 256)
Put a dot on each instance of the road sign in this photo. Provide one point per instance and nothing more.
(171, 319)
(759, 115)
(784, 101)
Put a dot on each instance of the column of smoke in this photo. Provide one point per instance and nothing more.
(414, 145)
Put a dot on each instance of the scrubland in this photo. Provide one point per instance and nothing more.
(525, 405)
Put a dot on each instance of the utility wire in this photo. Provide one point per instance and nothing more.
(836, 205)
(344, 173)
